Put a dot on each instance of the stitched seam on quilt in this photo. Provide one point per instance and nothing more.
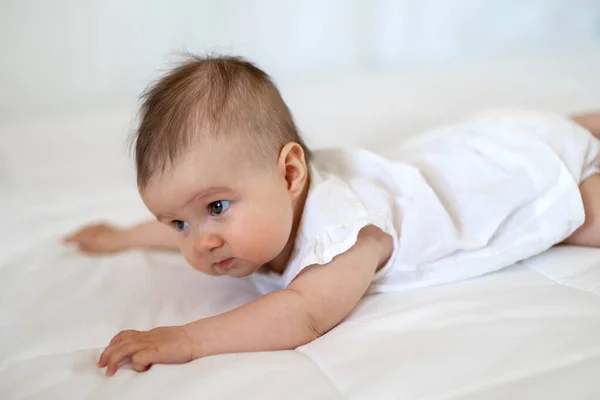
(567, 285)
(318, 367)
(470, 391)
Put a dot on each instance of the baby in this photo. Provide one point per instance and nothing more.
(233, 187)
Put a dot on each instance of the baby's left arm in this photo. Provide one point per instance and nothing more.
(315, 302)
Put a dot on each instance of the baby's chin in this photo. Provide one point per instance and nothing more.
(239, 273)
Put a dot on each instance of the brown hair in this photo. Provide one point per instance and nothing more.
(215, 95)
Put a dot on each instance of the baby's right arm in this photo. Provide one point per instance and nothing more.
(103, 238)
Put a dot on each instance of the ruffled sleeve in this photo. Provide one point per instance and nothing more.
(335, 211)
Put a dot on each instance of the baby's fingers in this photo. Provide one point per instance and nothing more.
(142, 360)
(80, 236)
(71, 238)
(84, 233)
(123, 336)
(120, 339)
(121, 353)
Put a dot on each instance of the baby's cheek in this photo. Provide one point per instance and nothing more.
(252, 246)
(271, 236)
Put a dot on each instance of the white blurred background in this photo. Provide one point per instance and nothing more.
(354, 72)
(64, 53)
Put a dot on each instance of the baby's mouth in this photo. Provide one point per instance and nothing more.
(225, 264)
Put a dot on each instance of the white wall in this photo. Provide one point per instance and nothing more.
(62, 53)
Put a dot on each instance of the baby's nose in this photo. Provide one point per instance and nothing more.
(206, 242)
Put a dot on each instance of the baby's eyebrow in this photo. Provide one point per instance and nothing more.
(211, 191)
(164, 218)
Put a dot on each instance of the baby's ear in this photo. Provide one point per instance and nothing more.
(292, 166)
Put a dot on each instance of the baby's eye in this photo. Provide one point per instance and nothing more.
(180, 225)
(218, 207)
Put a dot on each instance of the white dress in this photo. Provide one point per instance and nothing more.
(459, 201)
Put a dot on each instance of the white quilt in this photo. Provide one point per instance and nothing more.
(530, 331)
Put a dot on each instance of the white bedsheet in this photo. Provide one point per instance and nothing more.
(529, 331)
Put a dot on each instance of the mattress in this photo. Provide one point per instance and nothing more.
(531, 330)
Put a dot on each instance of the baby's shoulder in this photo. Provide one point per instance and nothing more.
(341, 200)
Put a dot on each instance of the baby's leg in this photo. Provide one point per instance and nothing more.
(588, 234)
(590, 121)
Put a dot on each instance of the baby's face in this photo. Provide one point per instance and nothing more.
(233, 215)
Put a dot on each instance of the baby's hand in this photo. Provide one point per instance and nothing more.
(164, 345)
(98, 239)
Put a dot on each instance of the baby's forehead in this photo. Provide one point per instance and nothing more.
(217, 163)
(233, 149)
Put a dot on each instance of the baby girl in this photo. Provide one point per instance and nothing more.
(233, 187)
